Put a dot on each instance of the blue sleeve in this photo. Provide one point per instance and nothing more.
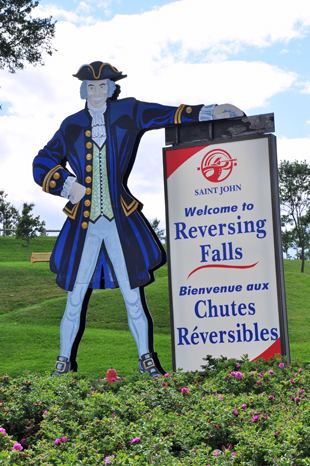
(152, 115)
(49, 165)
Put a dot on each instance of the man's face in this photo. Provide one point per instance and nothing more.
(97, 92)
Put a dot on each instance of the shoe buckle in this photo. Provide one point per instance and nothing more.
(63, 364)
(148, 363)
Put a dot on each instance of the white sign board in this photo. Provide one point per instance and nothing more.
(224, 287)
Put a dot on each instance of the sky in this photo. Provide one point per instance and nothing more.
(187, 51)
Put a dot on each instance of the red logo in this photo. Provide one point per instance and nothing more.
(217, 165)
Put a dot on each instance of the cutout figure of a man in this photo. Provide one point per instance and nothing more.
(106, 241)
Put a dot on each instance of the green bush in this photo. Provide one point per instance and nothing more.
(235, 413)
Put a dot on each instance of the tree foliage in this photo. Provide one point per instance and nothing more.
(155, 226)
(28, 226)
(294, 189)
(8, 214)
(23, 38)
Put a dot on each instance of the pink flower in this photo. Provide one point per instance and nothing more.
(167, 375)
(238, 365)
(136, 440)
(235, 412)
(216, 452)
(254, 418)
(185, 390)
(300, 370)
(270, 372)
(112, 415)
(164, 384)
(45, 412)
(243, 406)
(258, 382)
(221, 396)
(281, 364)
(239, 375)
(302, 391)
(108, 459)
(233, 373)
(17, 446)
(57, 441)
(234, 454)
(271, 397)
(23, 440)
(2, 431)
(63, 439)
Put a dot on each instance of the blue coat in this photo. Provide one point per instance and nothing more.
(126, 120)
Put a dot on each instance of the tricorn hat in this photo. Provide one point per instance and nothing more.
(99, 70)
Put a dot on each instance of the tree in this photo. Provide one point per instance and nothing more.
(155, 225)
(28, 226)
(294, 189)
(8, 214)
(288, 241)
(23, 38)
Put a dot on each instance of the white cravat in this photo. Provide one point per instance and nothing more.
(98, 127)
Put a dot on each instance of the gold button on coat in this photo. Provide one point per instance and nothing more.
(88, 133)
(88, 190)
(56, 176)
(88, 168)
(88, 179)
(87, 203)
(89, 145)
(86, 213)
(89, 156)
(52, 184)
(84, 225)
(189, 110)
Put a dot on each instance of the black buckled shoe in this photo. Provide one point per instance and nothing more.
(62, 366)
(149, 363)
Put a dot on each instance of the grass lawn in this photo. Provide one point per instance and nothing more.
(32, 305)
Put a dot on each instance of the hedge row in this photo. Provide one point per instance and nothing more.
(235, 413)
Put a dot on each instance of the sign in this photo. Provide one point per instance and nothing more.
(225, 261)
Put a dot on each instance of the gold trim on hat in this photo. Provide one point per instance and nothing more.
(101, 66)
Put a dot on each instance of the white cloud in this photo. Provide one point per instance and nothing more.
(159, 51)
(305, 87)
(294, 149)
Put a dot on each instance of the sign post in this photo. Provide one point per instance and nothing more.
(226, 279)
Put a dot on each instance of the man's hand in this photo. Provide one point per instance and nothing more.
(226, 111)
(77, 191)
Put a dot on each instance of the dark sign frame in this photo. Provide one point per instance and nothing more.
(180, 138)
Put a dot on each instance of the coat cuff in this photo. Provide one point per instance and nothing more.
(54, 180)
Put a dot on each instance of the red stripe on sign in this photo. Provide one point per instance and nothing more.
(223, 267)
(176, 158)
(272, 351)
